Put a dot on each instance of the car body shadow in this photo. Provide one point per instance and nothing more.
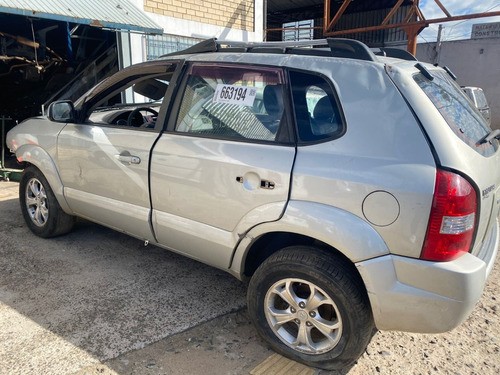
(103, 291)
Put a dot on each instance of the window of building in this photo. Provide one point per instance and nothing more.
(158, 45)
(299, 30)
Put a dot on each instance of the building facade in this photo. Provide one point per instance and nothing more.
(188, 21)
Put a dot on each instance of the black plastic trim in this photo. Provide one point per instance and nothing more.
(337, 47)
(424, 71)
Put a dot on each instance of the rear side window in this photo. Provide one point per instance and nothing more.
(460, 114)
(316, 108)
(234, 103)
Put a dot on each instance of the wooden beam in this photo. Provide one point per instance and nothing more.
(337, 16)
(462, 17)
(392, 12)
(411, 12)
(422, 23)
(326, 13)
(412, 33)
(419, 13)
(442, 8)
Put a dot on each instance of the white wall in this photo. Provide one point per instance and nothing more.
(475, 62)
(194, 29)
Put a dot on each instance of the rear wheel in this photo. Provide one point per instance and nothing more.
(39, 206)
(312, 307)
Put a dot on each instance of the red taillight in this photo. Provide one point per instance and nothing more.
(452, 219)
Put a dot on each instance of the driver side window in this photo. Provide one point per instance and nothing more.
(133, 103)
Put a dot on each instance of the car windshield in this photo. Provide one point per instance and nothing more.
(462, 117)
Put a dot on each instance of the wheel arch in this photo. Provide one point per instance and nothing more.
(305, 223)
(270, 243)
(36, 156)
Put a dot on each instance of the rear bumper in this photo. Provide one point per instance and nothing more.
(413, 295)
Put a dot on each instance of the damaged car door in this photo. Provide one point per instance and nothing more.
(104, 155)
(225, 163)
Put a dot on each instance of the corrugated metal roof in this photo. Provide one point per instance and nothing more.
(112, 14)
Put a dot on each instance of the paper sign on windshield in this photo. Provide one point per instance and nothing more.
(230, 94)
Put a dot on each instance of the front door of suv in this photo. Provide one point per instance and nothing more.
(225, 164)
(104, 157)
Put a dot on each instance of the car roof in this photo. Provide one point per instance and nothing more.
(336, 50)
(329, 47)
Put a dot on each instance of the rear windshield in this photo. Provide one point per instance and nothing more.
(462, 117)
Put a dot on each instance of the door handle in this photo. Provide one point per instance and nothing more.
(128, 159)
(264, 184)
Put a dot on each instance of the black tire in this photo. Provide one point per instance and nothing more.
(346, 306)
(39, 206)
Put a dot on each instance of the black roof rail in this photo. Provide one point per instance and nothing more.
(398, 53)
(325, 52)
(214, 45)
(339, 47)
(278, 50)
(277, 44)
(350, 48)
(334, 47)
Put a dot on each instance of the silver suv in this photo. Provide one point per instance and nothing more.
(353, 190)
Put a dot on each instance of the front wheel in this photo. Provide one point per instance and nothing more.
(311, 306)
(39, 206)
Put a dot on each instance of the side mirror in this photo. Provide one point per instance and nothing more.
(61, 111)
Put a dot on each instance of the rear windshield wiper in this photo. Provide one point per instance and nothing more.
(492, 135)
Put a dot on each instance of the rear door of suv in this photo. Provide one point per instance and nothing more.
(460, 138)
(224, 165)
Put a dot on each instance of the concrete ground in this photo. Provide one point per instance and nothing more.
(99, 302)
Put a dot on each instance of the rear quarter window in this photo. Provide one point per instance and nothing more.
(316, 108)
(459, 113)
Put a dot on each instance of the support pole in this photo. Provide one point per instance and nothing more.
(438, 44)
(412, 33)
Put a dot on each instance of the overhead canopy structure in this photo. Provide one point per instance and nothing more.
(108, 14)
(381, 21)
(413, 23)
